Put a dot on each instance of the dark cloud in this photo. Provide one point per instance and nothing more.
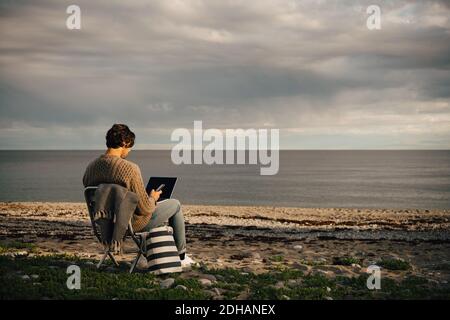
(309, 67)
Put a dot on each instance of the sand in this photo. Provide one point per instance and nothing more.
(251, 238)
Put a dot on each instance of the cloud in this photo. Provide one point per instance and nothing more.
(310, 68)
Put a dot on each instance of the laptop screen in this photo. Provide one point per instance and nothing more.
(167, 190)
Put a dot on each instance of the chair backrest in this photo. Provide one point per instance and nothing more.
(89, 193)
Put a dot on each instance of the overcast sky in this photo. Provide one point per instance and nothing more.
(310, 68)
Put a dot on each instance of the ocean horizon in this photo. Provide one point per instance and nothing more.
(307, 178)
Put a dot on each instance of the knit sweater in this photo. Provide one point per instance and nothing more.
(113, 169)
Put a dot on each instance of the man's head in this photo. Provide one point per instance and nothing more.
(120, 138)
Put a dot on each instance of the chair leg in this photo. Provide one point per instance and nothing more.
(135, 261)
(99, 264)
(113, 259)
(141, 243)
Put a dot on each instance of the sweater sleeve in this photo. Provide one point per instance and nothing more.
(146, 205)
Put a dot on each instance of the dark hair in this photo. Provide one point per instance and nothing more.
(119, 136)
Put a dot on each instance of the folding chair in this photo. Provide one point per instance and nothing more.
(139, 238)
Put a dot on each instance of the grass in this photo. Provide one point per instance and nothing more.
(49, 282)
(345, 261)
(394, 264)
(14, 246)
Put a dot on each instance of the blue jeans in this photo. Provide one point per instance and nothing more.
(170, 209)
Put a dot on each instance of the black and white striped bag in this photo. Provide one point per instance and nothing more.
(162, 253)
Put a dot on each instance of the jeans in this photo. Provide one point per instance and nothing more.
(170, 209)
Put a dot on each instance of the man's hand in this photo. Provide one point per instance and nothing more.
(155, 194)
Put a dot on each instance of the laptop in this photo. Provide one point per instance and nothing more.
(167, 185)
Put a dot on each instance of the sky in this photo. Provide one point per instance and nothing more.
(311, 69)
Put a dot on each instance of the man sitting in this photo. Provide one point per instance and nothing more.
(111, 167)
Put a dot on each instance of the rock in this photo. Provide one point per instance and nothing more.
(324, 273)
(279, 285)
(328, 298)
(292, 282)
(240, 256)
(244, 273)
(301, 267)
(25, 277)
(217, 291)
(243, 295)
(167, 283)
(181, 287)
(21, 253)
(205, 282)
(285, 297)
(220, 277)
(298, 247)
(256, 256)
(328, 289)
(37, 284)
(143, 290)
(34, 276)
(210, 277)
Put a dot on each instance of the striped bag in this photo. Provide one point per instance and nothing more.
(162, 253)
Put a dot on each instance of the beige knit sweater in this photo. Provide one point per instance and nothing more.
(113, 169)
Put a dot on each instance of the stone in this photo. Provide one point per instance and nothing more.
(205, 282)
(217, 291)
(143, 290)
(256, 256)
(220, 277)
(279, 285)
(301, 267)
(34, 276)
(167, 283)
(292, 282)
(25, 277)
(181, 287)
(240, 256)
(21, 253)
(328, 289)
(298, 247)
(328, 298)
(210, 277)
(322, 260)
(285, 297)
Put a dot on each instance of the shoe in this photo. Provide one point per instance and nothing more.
(188, 262)
(142, 263)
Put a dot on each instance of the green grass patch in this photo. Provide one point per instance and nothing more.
(13, 246)
(276, 258)
(394, 264)
(47, 279)
(345, 261)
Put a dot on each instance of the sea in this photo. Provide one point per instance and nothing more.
(330, 178)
